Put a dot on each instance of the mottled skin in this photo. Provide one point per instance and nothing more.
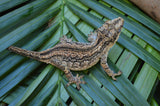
(76, 56)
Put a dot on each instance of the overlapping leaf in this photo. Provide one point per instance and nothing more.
(48, 87)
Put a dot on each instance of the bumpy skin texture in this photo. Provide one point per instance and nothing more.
(68, 55)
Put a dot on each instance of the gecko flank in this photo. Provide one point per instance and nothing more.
(68, 55)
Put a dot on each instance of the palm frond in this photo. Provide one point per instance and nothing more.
(38, 25)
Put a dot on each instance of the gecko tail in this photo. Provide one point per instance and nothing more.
(23, 52)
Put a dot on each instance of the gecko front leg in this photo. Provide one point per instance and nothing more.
(64, 39)
(72, 79)
(92, 37)
(107, 69)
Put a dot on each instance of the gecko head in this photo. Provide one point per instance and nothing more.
(111, 29)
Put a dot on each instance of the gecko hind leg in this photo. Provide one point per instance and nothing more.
(73, 79)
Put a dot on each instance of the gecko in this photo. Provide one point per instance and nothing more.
(69, 55)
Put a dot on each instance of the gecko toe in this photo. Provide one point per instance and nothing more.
(116, 74)
(76, 80)
(113, 77)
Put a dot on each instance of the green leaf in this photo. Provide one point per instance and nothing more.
(7, 4)
(22, 15)
(35, 86)
(25, 29)
(132, 11)
(79, 35)
(33, 44)
(139, 51)
(37, 25)
(13, 79)
(132, 26)
(76, 96)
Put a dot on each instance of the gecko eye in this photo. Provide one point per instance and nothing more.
(119, 30)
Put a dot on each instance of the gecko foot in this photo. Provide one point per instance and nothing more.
(76, 80)
(116, 74)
